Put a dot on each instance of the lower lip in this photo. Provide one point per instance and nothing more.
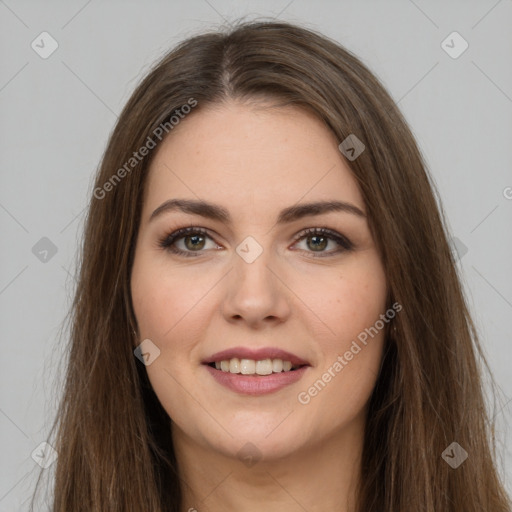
(256, 384)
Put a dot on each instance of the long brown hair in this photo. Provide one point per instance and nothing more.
(113, 436)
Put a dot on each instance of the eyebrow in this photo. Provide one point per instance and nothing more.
(290, 214)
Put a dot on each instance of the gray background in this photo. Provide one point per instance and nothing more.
(57, 114)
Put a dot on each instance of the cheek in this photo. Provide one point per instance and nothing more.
(350, 303)
(346, 300)
(167, 306)
(165, 298)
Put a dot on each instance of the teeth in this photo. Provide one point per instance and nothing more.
(264, 367)
(252, 367)
(247, 366)
(234, 365)
(277, 365)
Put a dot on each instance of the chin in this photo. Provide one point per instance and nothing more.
(255, 447)
(275, 435)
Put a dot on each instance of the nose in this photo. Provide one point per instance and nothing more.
(256, 293)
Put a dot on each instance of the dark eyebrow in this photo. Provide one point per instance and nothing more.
(290, 214)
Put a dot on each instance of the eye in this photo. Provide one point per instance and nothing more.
(317, 239)
(192, 241)
(187, 241)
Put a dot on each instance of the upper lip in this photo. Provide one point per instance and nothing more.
(255, 354)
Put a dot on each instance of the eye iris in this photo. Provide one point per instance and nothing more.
(195, 237)
(316, 245)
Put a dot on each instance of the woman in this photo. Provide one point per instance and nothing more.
(268, 314)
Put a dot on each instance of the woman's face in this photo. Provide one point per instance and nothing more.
(260, 281)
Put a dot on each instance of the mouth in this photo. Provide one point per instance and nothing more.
(256, 372)
(255, 362)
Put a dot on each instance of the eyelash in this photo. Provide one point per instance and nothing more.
(168, 241)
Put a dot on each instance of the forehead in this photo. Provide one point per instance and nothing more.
(236, 154)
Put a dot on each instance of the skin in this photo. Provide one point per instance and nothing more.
(255, 161)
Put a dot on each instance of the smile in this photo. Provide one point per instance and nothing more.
(255, 371)
(254, 367)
